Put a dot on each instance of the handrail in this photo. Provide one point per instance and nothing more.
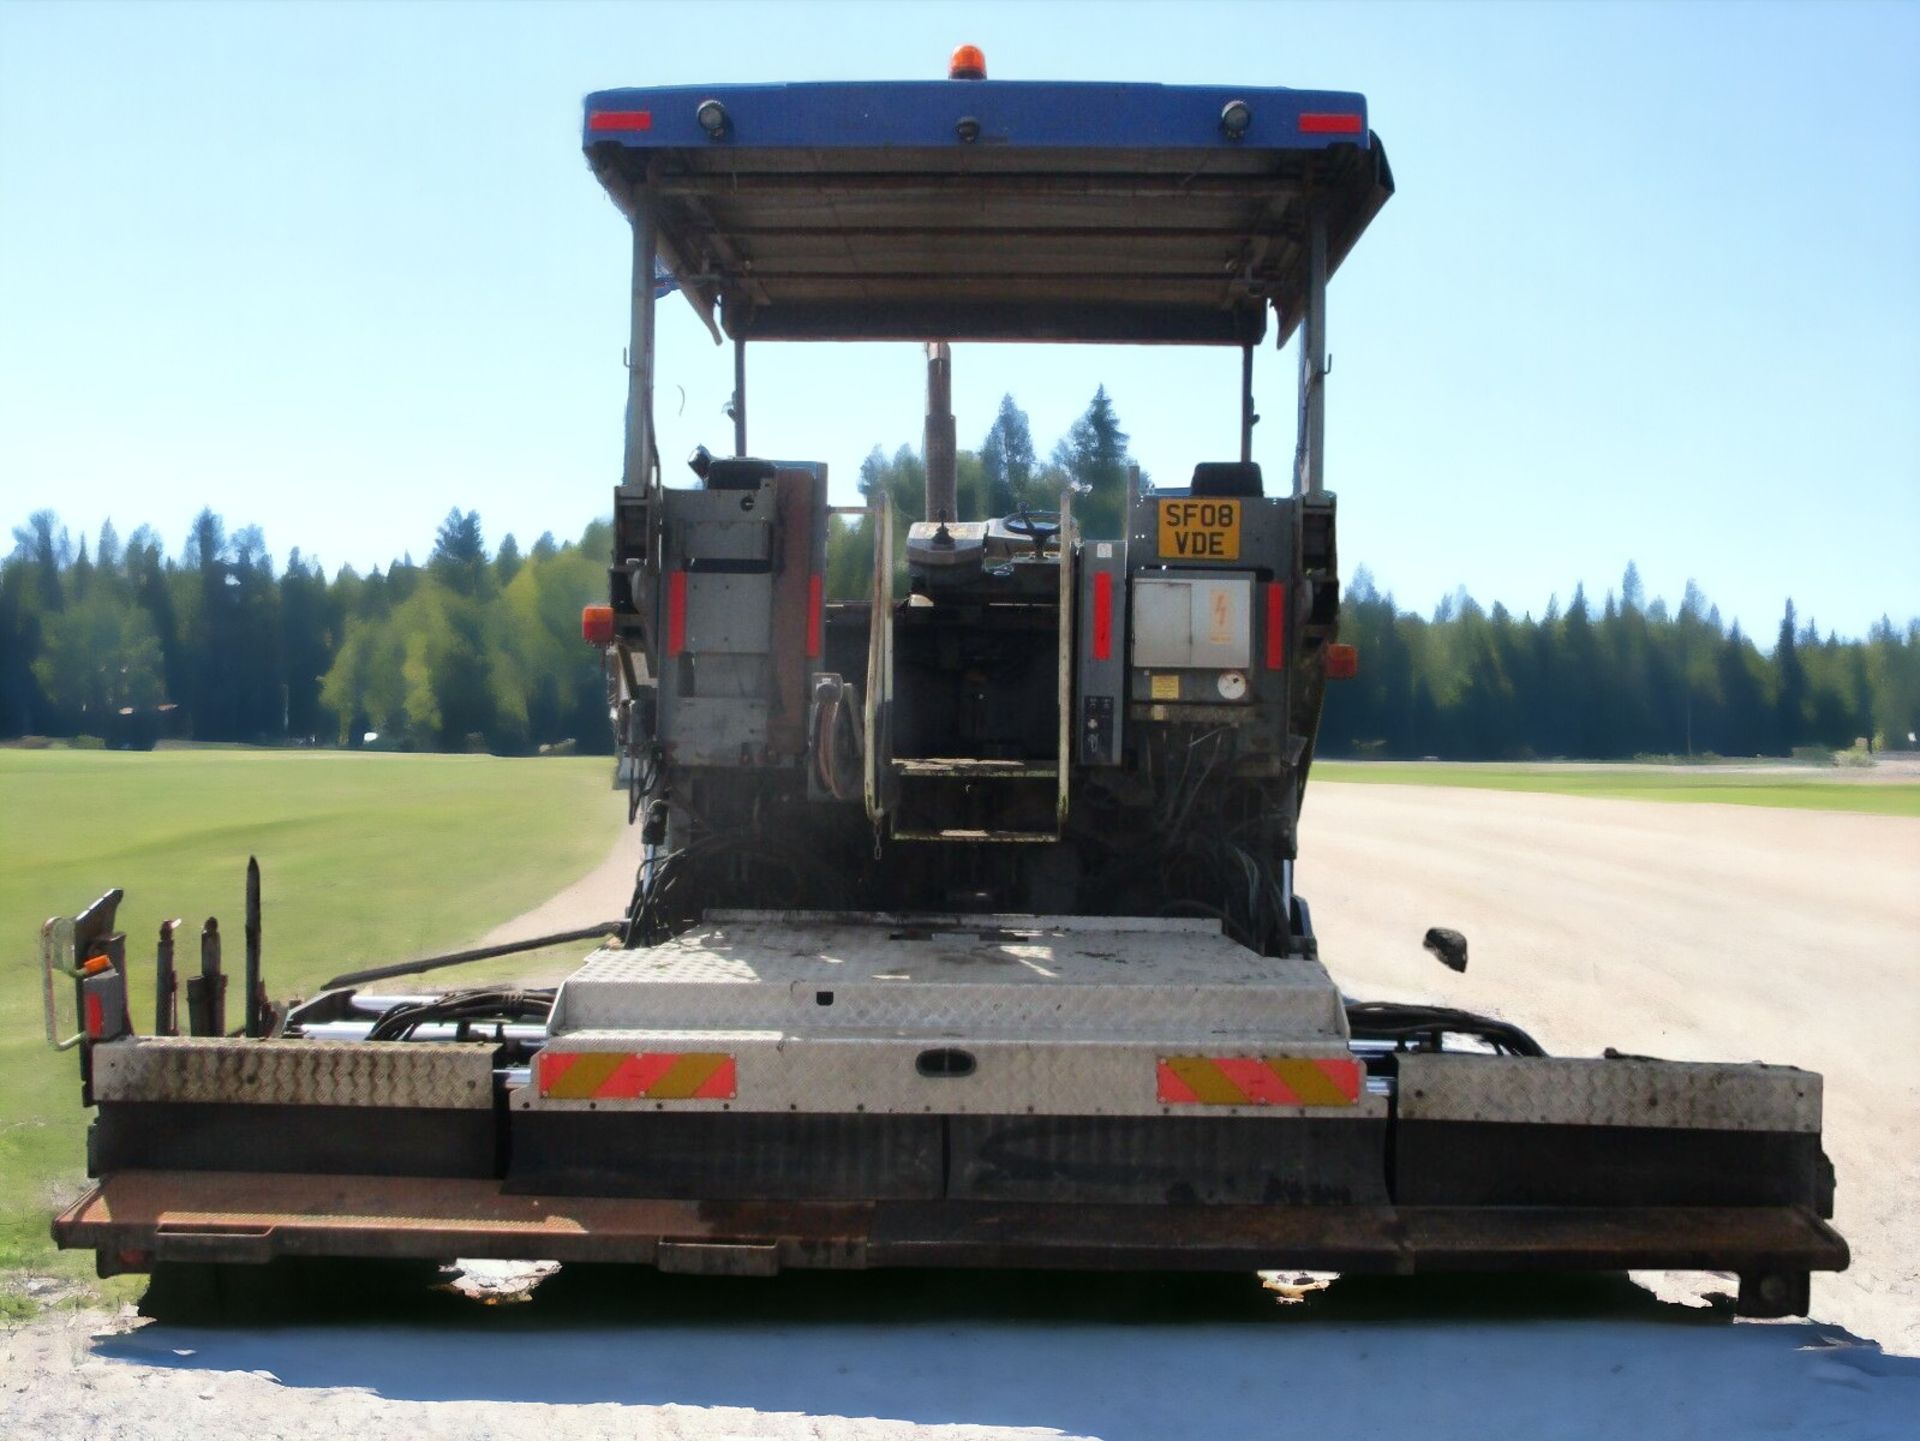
(1068, 597)
(879, 659)
(56, 943)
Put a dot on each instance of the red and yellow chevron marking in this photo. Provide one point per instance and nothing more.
(625, 1076)
(1258, 1081)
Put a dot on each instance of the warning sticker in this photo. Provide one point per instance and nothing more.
(625, 1076)
(1164, 687)
(1258, 1081)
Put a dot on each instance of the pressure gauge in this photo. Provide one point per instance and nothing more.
(1233, 685)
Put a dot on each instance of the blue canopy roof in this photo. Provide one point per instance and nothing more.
(974, 209)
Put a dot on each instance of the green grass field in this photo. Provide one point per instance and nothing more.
(364, 858)
(1814, 790)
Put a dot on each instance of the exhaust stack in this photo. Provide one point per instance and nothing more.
(942, 460)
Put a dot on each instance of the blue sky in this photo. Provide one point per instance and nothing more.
(1650, 288)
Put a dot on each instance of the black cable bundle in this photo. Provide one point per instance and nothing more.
(478, 1007)
(742, 869)
(1393, 1021)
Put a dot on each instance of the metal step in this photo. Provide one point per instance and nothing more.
(968, 768)
(1019, 837)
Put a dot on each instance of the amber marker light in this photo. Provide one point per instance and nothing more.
(969, 63)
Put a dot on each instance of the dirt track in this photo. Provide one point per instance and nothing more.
(1686, 930)
(1692, 931)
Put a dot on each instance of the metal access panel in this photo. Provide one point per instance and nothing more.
(733, 526)
(227, 1104)
(716, 731)
(717, 598)
(1192, 621)
(729, 613)
(1100, 662)
(1619, 1131)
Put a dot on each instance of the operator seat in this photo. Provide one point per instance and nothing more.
(734, 473)
(738, 474)
(1226, 479)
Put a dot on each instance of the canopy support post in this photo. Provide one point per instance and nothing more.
(1247, 417)
(739, 407)
(1311, 452)
(640, 459)
(940, 452)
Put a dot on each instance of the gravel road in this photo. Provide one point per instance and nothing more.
(1696, 931)
(1692, 931)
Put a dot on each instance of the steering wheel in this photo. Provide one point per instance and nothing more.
(1038, 526)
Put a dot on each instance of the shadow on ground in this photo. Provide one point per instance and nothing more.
(1121, 1358)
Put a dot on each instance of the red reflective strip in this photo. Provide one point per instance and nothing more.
(720, 1086)
(676, 612)
(1256, 1080)
(96, 1017)
(554, 1065)
(635, 1075)
(603, 120)
(1276, 625)
(1173, 1089)
(1103, 615)
(814, 616)
(1327, 124)
(1345, 1075)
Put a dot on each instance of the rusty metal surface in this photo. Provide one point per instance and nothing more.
(419, 1075)
(1618, 1091)
(236, 1217)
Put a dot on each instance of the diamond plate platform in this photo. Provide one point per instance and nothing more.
(1166, 982)
(228, 1070)
(1617, 1091)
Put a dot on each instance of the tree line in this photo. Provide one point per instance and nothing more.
(481, 650)
(470, 651)
(1634, 678)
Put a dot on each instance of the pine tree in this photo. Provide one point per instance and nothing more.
(1095, 459)
(459, 559)
(1008, 458)
(506, 560)
(1633, 595)
(1790, 685)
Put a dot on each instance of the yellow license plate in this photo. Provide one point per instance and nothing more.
(1199, 529)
